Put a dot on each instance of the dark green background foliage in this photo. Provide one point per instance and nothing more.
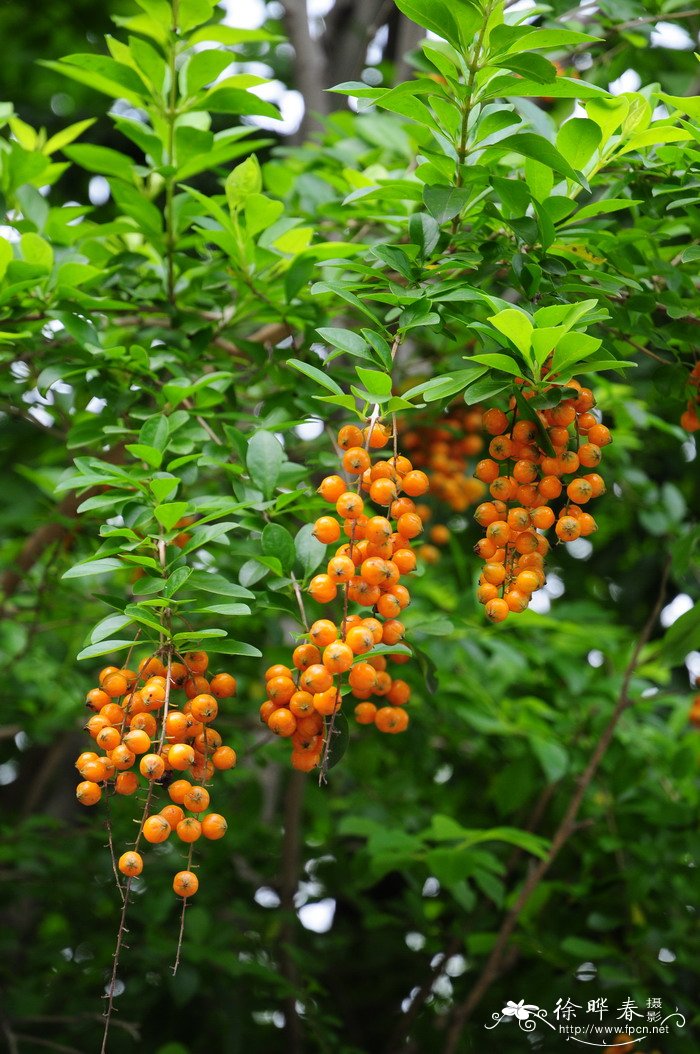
(159, 355)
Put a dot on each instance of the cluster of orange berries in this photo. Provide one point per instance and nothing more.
(523, 478)
(145, 736)
(690, 419)
(446, 452)
(366, 569)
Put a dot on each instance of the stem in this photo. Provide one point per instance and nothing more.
(462, 148)
(566, 828)
(170, 115)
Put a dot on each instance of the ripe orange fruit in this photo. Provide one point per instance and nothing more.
(130, 864)
(185, 884)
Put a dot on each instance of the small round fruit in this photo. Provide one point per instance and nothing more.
(130, 864)
(185, 884)
(214, 826)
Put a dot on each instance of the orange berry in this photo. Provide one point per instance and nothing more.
(126, 783)
(195, 686)
(303, 761)
(224, 758)
(391, 719)
(596, 482)
(301, 704)
(326, 530)
(494, 421)
(598, 434)
(327, 702)
(180, 756)
(409, 525)
(88, 793)
(122, 758)
(349, 505)
(96, 699)
(173, 814)
(349, 436)
(356, 460)
(331, 488)
(338, 657)
(567, 528)
(197, 799)
(496, 610)
(189, 829)
(542, 517)
(130, 864)
(365, 713)
(316, 679)
(376, 435)
(415, 483)
(151, 667)
(214, 826)
(152, 766)
(278, 670)
(178, 789)
(383, 491)
(185, 884)
(115, 684)
(156, 829)
(204, 708)
(323, 589)
(362, 676)
(359, 640)
(197, 661)
(282, 722)
(341, 569)
(137, 741)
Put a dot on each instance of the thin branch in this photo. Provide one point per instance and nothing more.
(566, 828)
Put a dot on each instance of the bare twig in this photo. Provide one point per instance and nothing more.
(566, 828)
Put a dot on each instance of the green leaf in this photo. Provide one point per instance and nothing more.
(169, 514)
(103, 160)
(539, 149)
(93, 567)
(35, 250)
(515, 325)
(424, 231)
(148, 454)
(154, 432)
(433, 15)
(508, 86)
(67, 135)
(264, 461)
(578, 139)
(377, 384)
(277, 541)
(552, 756)
(107, 626)
(444, 203)
(310, 552)
(177, 580)
(345, 339)
(163, 486)
(206, 535)
(316, 375)
(340, 741)
(496, 361)
(221, 646)
(105, 647)
(213, 583)
(242, 181)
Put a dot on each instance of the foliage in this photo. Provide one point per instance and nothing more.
(172, 366)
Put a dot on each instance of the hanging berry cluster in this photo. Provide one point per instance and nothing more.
(530, 459)
(148, 739)
(446, 451)
(302, 700)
